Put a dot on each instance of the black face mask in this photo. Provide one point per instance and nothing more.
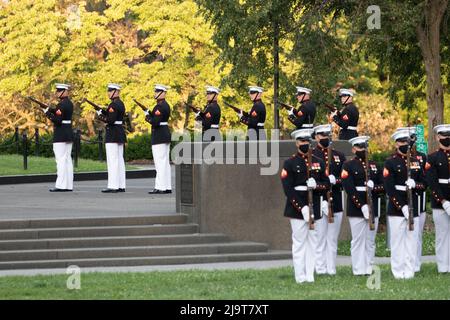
(445, 142)
(324, 142)
(304, 148)
(403, 149)
(361, 154)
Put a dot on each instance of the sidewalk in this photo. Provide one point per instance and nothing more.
(257, 265)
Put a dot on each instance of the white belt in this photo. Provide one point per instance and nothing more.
(163, 123)
(308, 125)
(361, 188)
(301, 188)
(400, 188)
(215, 126)
(444, 181)
(118, 122)
(261, 124)
(352, 128)
(66, 122)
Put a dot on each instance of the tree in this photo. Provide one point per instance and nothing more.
(280, 43)
(412, 49)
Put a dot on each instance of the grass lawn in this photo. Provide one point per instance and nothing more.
(227, 284)
(13, 165)
(428, 245)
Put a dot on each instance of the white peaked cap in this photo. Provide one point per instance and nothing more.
(411, 130)
(359, 140)
(346, 92)
(114, 86)
(302, 134)
(211, 89)
(161, 87)
(442, 128)
(255, 88)
(323, 128)
(400, 134)
(62, 86)
(303, 90)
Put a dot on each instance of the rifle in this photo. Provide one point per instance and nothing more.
(310, 191)
(369, 199)
(331, 108)
(196, 110)
(144, 108)
(409, 194)
(236, 109)
(286, 106)
(41, 104)
(330, 192)
(96, 106)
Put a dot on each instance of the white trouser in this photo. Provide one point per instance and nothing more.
(403, 247)
(64, 166)
(361, 246)
(442, 226)
(116, 165)
(161, 157)
(422, 218)
(371, 242)
(327, 243)
(304, 242)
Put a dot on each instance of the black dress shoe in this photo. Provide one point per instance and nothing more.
(121, 190)
(110, 190)
(156, 191)
(168, 191)
(57, 190)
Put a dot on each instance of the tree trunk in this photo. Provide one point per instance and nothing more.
(276, 73)
(428, 34)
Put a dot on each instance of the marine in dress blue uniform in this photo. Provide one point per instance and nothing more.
(295, 185)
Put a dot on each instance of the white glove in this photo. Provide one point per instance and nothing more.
(99, 112)
(46, 110)
(240, 114)
(334, 113)
(311, 183)
(446, 206)
(365, 211)
(332, 179)
(410, 183)
(197, 114)
(291, 112)
(324, 208)
(370, 184)
(146, 113)
(405, 211)
(305, 213)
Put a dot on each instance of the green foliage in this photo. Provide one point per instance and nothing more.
(249, 284)
(13, 165)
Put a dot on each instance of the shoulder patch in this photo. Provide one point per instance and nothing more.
(110, 109)
(386, 172)
(345, 117)
(427, 166)
(299, 114)
(58, 112)
(157, 113)
(284, 174)
(208, 115)
(344, 174)
(254, 114)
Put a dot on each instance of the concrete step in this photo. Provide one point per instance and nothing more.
(126, 241)
(144, 251)
(92, 222)
(110, 231)
(142, 261)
